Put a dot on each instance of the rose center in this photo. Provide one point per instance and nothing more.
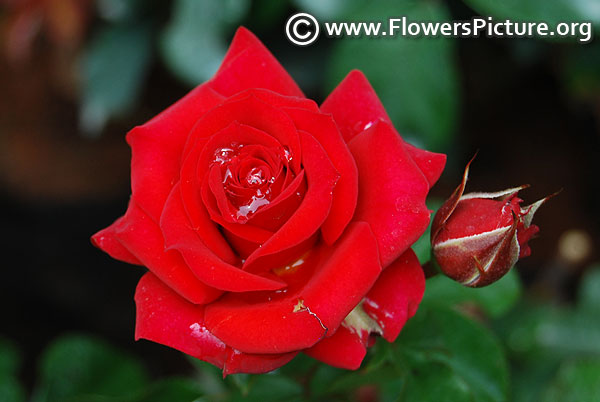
(256, 177)
(251, 175)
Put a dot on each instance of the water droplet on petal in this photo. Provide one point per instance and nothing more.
(252, 207)
(287, 154)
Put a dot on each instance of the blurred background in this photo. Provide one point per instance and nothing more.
(76, 75)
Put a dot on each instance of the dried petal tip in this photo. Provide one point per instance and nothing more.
(477, 237)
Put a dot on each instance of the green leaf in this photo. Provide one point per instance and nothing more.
(269, 387)
(589, 291)
(530, 378)
(541, 337)
(324, 376)
(192, 45)
(241, 381)
(265, 14)
(436, 382)
(551, 12)
(114, 68)
(300, 366)
(416, 78)
(581, 72)
(120, 10)
(532, 330)
(422, 247)
(80, 368)
(576, 381)
(209, 377)
(171, 390)
(11, 390)
(466, 357)
(10, 360)
(327, 9)
(495, 299)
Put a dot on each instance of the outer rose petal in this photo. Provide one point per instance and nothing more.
(248, 64)
(396, 295)
(166, 318)
(142, 238)
(238, 362)
(345, 193)
(344, 349)
(431, 163)
(392, 190)
(157, 148)
(356, 107)
(209, 268)
(106, 241)
(272, 323)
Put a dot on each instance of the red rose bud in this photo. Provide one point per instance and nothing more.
(477, 237)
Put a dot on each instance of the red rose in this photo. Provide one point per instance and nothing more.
(269, 225)
(477, 238)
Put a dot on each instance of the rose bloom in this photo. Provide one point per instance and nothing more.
(270, 225)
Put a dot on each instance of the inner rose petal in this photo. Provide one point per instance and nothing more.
(254, 113)
(246, 169)
(246, 173)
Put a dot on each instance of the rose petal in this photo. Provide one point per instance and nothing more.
(253, 112)
(239, 362)
(351, 270)
(344, 349)
(273, 215)
(142, 237)
(475, 216)
(278, 100)
(396, 295)
(268, 327)
(214, 180)
(164, 317)
(245, 231)
(234, 133)
(157, 148)
(523, 236)
(203, 212)
(207, 267)
(431, 164)
(248, 64)
(279, 322)
(356, 107)
(392, 190)
(345, 193)
(106, 241)
(321, 177)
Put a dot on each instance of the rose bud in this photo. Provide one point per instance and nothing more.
(477, 237)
